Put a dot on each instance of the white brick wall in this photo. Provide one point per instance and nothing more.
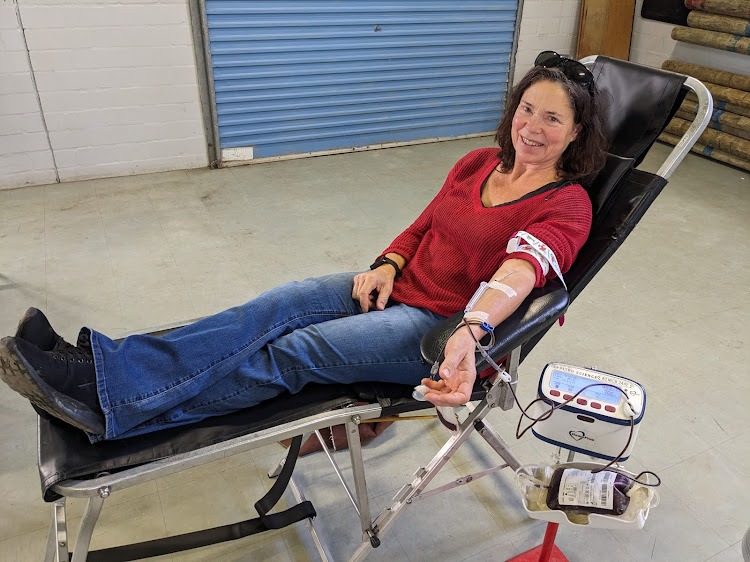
(118, 87)
(546, 25)
(25, 157)
(652, 44)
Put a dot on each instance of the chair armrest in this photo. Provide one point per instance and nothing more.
(538, 312)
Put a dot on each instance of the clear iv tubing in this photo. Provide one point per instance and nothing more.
(502, 374)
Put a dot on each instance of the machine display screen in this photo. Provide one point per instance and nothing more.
(565, 382)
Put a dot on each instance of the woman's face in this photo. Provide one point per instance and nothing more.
(543, 125)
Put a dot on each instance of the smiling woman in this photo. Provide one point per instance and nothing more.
(543, 126)
(570, 104)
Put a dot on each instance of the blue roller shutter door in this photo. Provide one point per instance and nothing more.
(295, 77)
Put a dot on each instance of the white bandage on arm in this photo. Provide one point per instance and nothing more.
(483, 286)
(507, 289)
(477, 316)
(543, 254)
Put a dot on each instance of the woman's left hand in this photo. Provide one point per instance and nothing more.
(457, 372)
(372, 288)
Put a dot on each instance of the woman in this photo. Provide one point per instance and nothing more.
(347, 327)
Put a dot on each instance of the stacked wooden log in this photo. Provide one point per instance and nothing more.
(720, 24)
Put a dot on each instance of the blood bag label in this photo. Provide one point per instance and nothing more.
(581, 487)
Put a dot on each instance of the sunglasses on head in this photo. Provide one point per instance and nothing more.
(572, 69)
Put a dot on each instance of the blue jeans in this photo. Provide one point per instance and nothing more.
(301, 332)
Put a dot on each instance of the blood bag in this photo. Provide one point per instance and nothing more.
(584, 491)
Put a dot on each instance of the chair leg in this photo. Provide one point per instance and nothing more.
(495, 441)
(312, 527)
(360, 484)
(57, 540)
(90, 516)
(422, 477)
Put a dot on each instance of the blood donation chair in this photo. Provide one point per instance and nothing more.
(641, 101)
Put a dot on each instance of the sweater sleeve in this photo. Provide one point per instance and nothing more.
(564, 229)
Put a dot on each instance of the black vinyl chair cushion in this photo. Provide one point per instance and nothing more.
(65, 452)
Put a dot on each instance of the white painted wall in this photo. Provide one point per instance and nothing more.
(25, 157)
(546, 25)
(118, 89)
(652, 44)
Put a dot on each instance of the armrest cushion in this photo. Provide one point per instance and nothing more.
(538, 312)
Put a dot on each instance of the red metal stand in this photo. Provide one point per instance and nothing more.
(546, 552)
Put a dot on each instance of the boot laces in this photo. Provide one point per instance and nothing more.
(73, 354)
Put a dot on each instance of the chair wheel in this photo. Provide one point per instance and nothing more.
(374, 541)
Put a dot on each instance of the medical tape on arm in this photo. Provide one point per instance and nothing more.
(538, 249)
(477, 317)
(507, 289)
(483, 286)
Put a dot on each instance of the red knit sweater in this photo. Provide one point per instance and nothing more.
(456, 242)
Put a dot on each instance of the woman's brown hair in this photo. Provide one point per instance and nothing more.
(585, 156)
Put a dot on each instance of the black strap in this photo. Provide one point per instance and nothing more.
(265, 522)
(272, 497)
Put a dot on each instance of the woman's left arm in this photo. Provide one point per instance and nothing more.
(458, 369)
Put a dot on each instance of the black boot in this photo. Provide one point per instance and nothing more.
(61, 382)
(35, 328)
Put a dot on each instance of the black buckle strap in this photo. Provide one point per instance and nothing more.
(197, 539)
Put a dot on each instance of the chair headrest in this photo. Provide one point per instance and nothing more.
(640, 101)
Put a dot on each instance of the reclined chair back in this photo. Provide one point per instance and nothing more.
(640, 101)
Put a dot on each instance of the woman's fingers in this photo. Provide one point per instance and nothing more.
(372, 289)
(384, 294)
(364, 285)
(433, 384)
(448, 397)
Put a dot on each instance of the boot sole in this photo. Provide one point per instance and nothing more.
(16, 372)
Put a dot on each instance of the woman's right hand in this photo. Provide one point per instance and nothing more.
(457, 371)
(372, 288)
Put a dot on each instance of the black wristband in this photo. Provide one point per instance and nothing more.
(383, 260)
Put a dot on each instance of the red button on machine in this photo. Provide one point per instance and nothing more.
(568, 396)
(596, 405)
(582, 401)
(554, 392)
(609, 408)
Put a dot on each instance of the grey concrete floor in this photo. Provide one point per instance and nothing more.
(670, 310)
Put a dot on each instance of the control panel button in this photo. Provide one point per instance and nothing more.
(610, 408)
(554, 392)
(596, 405)
(568, 396)
(582, 401)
